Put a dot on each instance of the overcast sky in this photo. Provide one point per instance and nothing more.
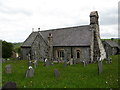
(18, 17)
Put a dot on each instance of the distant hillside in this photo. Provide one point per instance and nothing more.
(17, 46)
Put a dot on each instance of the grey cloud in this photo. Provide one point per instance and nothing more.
(109, 35)
(109, 17)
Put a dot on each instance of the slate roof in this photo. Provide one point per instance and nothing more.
(28, 42)
(70, 36)
(112, 43)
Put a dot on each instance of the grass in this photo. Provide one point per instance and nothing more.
(75, 76)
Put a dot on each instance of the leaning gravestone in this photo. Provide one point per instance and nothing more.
(99, 67)
(8, 68)
(9, 85)
(56, 73)
(30, 72)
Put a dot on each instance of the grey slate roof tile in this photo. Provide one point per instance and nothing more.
(70, 36)
(28, 42)
(112, 43)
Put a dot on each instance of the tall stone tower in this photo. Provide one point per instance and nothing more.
(98, 49)
(50, 49)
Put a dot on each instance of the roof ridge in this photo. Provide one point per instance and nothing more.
(28, 38)
(63, 28)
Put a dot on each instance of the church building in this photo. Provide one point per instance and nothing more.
(81, 43)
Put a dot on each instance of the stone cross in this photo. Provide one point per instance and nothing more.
(8, 68)
(30, 72)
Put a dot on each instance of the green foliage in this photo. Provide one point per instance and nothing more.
(75, 76)
(7, 49)
(17, 47)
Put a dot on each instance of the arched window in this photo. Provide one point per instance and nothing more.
(78, 53)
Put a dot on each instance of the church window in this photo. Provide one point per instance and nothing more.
(78, 53)
(61, 53)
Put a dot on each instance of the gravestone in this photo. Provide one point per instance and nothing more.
(29, 63)
(9, 85)
(8, 69)
(47, 63)
(84, 62)
(30, 72)
(35, 63)
(3, 60)
(56, 73)
(71, 61)
(65, 63)
(99, 67)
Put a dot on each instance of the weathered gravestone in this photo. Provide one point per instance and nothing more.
(29, 63)
(65, 63)
(47, 63)
(56, 73)
(71, 61)
(99, 67)
(30, 72)
(84, 63)
(35, 63)
(8, 68)
(3, 60)
(9, 85)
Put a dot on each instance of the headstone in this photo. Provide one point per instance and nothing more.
(9, 85)
(30, 72)
(35, 63)
(47, 63)
(99, 67)
(65, 63)
(56, 73)
(3, 60)
(84, 62)
(29, 63)
(8, 68)
(71, 61)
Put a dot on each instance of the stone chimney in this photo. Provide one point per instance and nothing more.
(94, 17)
(50, 43)
(94, 23)
(32, 29)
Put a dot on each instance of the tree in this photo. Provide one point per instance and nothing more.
(7, 49)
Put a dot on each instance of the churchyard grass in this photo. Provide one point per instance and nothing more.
(74, 76)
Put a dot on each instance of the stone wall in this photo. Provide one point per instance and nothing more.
(72, 51)
(24, 53)
(39, 49)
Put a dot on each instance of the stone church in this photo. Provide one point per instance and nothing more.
(81, 43)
